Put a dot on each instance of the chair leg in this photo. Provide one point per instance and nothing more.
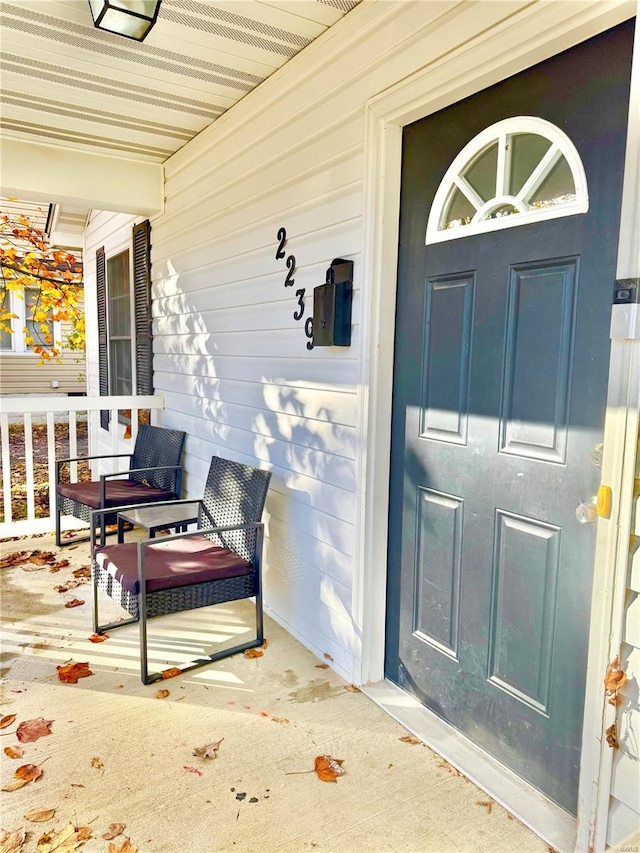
(58, 524)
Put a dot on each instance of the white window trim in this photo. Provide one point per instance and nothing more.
(561, 146)
(17, 305)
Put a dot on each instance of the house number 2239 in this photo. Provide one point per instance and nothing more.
(290, 281)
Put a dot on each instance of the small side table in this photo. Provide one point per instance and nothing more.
(153, 519)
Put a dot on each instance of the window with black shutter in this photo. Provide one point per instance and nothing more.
(118, 317)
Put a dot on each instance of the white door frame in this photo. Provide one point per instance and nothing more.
(534, 32)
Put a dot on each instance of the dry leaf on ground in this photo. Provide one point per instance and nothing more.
(97, 763)
(11, 842)
(66, 841)
(13, 751)
(67, 586)
(209, 750)
(328, 768)
(488, 804)
(450, 768)
(73, 671)
(322, 666)
(98, 638)
(75, 602)
(28, 772)
(253, 653)
(40, 815)
(15, 786)
(352, 688)
(125, 847)
(282, 720)
(161, 694)
(60, 564)
(30, 730)
(409, 739)
(6, 721)
(83, 572)
(114, 830)
(171, 673)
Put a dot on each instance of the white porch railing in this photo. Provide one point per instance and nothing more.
(52, 410)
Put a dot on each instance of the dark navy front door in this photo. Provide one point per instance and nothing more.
(500, 378)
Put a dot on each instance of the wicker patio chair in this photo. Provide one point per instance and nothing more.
(219, 561)
(154, 474)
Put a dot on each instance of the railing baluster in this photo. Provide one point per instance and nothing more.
(51, 461)
(6, 467)
(28, 460)
(73, 445)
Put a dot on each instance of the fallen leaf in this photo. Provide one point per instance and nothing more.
(28, 772)
(410, 739)
(282, 720)
(40, 815)
(65, 841)
(612, 736)
(161, 694)
(171, 673)
(11, 842)
(98, 638)
(13, 751)
(67, 586)
(488, 804)
(95, 762)
(352, 688)
(264, 645)
(328, 768)
(15, 786)
(327, 657)
(253, 653)
(73, 671)
(60, 564)
(114, 830)
(124, 848)
(322, 666)
(449, 767)
(84, 572)
(30, 730)
(84, 833)
(264, 714)
(75, 602)
(192, 770)
(209, 750)
(6, 721)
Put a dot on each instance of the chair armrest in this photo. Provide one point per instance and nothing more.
(61, 462)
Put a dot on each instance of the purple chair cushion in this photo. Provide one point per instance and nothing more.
(194, 559)
(118, 493)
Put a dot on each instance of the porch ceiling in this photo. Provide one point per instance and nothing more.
(87, 118)
(68, 85)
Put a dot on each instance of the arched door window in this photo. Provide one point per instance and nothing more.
(517, 171)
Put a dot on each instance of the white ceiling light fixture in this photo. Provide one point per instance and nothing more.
(130, 18)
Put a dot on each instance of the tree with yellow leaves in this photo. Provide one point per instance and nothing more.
(48, 280)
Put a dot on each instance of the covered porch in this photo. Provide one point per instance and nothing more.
(118, 754)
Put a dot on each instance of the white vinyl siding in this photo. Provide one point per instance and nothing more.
(230, 360)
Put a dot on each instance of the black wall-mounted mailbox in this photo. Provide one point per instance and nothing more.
(332, 306)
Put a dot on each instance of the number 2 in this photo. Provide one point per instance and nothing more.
(282, 237)
(291, 263)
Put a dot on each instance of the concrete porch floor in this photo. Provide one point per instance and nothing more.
(117, 754)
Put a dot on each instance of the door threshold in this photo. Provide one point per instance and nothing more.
(544, 817)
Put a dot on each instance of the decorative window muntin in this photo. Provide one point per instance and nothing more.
(517, 171)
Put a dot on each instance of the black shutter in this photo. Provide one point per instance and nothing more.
(103, 343)
(142, 301)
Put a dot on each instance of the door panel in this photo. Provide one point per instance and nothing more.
(500, 373)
